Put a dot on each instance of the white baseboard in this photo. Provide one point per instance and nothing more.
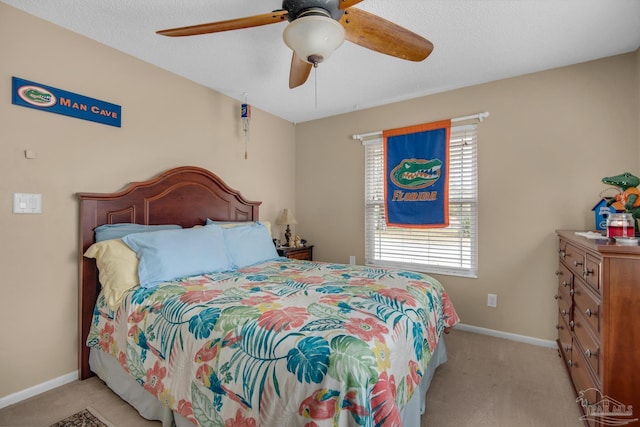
(506, 335)
(37, 389)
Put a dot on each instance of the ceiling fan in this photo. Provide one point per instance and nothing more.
(317, 27)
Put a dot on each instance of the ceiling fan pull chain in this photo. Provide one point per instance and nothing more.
(315, 77)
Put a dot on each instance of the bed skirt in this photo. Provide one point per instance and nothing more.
(109, 370)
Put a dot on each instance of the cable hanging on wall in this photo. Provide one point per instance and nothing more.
(245, 116)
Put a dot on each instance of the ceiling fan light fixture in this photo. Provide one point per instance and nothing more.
(314, 38)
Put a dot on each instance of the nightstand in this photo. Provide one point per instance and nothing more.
(304, 252)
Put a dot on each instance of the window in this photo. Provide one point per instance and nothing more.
(451, 250)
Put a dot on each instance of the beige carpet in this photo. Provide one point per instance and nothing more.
(486, 382)
(54, 405)
(500, 383)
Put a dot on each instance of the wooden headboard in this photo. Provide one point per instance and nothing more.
(186, 196)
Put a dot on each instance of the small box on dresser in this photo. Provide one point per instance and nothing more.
(599, 325)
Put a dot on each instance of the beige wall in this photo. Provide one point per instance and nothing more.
(549, 140)
(167, 121)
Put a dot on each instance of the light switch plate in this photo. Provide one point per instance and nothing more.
(492, 300)
(27, 203)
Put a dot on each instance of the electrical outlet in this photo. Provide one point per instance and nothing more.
(492, 300)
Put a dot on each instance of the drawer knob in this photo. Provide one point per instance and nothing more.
(564, 312)
(572, 323)
(588, 272)
(566, 349)
(572, 292)
(558, 327)
(565, 283)
(558, 273)
(562, 253)
(589, 354)
(577, 263)
(588, 312)
(570, 363)
(557, 297)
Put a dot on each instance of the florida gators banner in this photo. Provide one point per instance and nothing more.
(417, 175)
(34, 95)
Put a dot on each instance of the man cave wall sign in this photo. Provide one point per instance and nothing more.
(50, 99)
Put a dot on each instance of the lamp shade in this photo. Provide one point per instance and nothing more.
(314, 38)
(286, 218)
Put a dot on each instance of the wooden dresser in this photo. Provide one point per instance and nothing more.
(599, 325)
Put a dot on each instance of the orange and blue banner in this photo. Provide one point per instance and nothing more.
(417, 175)
(53, 100)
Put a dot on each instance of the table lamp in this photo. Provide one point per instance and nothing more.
(286, 218)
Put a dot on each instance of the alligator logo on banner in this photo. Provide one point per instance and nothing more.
(415, 174)
(416, 168)
(35, 95)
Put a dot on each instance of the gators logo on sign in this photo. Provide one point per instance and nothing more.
(414, 174)
(36, 95)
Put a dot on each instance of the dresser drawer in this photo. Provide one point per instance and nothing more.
(573, 256)
(565, 292)
(300, 255)
(564, 304)
(588, 304)
(564, 337)
(586, 388)
(592, 272)
(565, 277)
(587, 343)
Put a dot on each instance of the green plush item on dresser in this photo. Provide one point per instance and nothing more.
(629, 198)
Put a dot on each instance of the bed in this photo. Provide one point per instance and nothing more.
(275, 342)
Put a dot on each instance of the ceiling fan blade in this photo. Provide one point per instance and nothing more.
(376, 33)
(232, 24)
(300, 71)
(348, 3)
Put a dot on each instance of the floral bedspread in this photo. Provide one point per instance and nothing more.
(284, 343)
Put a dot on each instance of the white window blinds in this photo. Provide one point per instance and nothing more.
(451, 250)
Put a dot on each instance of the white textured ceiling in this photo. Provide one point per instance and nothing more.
(476, 41)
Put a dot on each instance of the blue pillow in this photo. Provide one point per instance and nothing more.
(170, 254)
(117, 231)
(248, 244)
